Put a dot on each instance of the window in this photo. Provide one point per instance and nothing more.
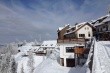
(81, 35)
(106, 27)
(89, 34)
(100, 29)
(87, 28)
(70, 49)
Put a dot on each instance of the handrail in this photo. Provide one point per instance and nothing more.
(90, 55)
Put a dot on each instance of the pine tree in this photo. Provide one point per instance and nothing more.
(13, 65)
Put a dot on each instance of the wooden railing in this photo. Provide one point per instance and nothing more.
(81, 51)
(80, 41)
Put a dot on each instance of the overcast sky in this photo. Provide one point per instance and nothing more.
(35, 19)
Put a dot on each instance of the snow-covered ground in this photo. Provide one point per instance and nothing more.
(101, 60)
(22, 62)
(51, 65)
(43, 64)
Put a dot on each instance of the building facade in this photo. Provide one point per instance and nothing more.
(73, 36)
(48, 46)
(102, 28)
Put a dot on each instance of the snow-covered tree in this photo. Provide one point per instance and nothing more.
(5, 63)
(31, 62)
(5, 54)
(36, 42)
(22, 69)
(24, 42)
(13, 65)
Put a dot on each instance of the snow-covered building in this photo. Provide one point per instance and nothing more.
(81, 30)
(29, 47)
(48, 45)
(71, 36)
(102, 27)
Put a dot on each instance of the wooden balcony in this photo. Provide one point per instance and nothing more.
(81, 51)
(74, 41)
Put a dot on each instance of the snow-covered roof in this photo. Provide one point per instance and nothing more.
(60, 28)
(79, 25)
(28, 47)
(105, 18)
(71, 27)
(49, 43)
(68, 32)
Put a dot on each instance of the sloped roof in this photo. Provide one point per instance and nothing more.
(49, 43)
(101, 20)
(84, 25)
(81, 25)
(28, 47)
(61, 28)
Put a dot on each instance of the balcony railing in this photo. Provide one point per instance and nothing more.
(79, 41)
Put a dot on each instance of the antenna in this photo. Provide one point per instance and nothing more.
(109, 9)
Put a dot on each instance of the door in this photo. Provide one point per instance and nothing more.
(70, 62)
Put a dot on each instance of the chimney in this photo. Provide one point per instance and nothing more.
(109, 12)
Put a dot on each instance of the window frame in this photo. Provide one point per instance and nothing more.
(81, 35)
(69, 49)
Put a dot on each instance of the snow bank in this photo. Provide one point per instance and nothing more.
(22, 62)
(101, 61)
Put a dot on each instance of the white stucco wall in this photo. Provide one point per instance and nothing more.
(85, 30)
(63, 53)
